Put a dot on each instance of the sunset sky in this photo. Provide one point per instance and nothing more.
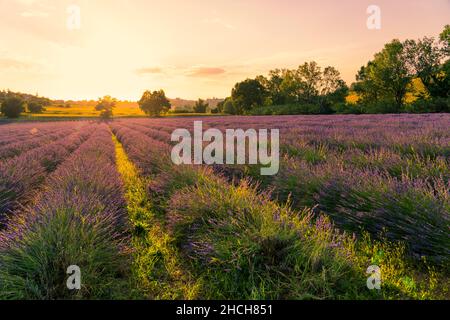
(192, 48)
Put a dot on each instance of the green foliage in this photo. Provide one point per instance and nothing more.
(66, 239)
(228, 107)
(305, 90)
(306, 85)
(437, 104)
(200, 106)
(12, 107)
(249, 248)
(35, 107)
(387, 76)
(154, 103)
(387, 79)
(287, 109)
(247, 94)
(25, 97)
(106, 105)
(347, 108)
(156, 269)
(381, 106)
(426, 58)
(444, 37)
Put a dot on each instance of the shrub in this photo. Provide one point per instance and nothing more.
(249, 248)
(229, 108)
(35, 266)
(429, 105)
(106, 105)
(35, 107)
(200, 106)
(381, 106)
(288, 109)
(347, 108)
(12, 107)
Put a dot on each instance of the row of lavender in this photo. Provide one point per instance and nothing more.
(238, 243)
(388, 175)
(15, 149)
(21, 175)
(78, 218)
(12, 133)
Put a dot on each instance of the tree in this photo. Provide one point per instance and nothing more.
(307, 84)
(332, 89)
(274, 87)
(425, 59)
(35, 107)
(228, 106)
(444, 37)
(310, 77)
(153, 103)
(220, 106)
(387, 76)
(247, 95)
(200, 106)
(291, 87)
(106, 106)
(12, 107)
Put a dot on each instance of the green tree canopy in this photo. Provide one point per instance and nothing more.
(307, 84)
(248, 94)
(35, 107)
(106, 105)
(200, 106)
(427, 61)
(154, 103)
(444, 37)
(228, 106)
(12, 107)
(387, 76)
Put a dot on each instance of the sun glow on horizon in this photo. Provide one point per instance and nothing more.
(190, 49)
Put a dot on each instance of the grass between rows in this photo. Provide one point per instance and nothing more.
(156, 268)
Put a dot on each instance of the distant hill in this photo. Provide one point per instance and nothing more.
(179, 103)
(24, 96)
(183, 102)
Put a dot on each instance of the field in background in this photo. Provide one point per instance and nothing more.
(87, 109)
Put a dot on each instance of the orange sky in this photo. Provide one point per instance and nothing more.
(195, 48)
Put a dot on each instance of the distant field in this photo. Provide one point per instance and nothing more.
(81, 111)
(88, 110)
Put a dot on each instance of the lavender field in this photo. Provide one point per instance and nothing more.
(351, 192)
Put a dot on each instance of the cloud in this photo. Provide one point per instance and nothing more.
(27, 2)
(7, 63)
(195, 71)
(219, 22)
(151, 70)
(205, 72)
(34, 14)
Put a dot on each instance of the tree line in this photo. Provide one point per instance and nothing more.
(12, 104)
(382, 85)
(418, 69)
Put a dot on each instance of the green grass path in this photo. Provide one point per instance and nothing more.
(156, 266)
